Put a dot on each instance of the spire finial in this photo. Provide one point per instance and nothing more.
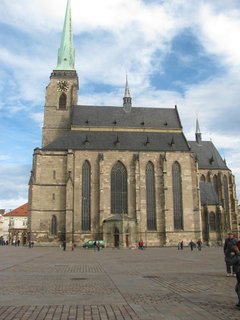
(198, 134)
(66, 52)
(127, 100)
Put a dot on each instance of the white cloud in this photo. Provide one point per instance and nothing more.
(220, 33)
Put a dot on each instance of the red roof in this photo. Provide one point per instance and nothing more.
(21, 211)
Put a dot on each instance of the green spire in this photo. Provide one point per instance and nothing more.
(66, 52)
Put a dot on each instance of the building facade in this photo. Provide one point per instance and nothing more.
(15, 225)
(122, 174)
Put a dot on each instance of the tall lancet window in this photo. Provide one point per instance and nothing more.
(119, 190)
(63, 101)
(54, 225)
(86, 196)
(150, 197)
(226, 199)
(215, 183)
(177, 196)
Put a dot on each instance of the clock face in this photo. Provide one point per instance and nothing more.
(62, 85)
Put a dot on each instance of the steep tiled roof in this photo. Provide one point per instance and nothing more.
(207, 155)
(21, 211)
(131, 141)
(91, 116)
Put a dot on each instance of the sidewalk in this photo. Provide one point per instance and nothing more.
(156, 283)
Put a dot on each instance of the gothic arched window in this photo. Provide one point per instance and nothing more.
(218, 222)
(226, 199)
(203, 179)
(54, 225)
(150, 197)
(212, 221)
(215, 183)
(86, 196)
(177, 196)
(63, 101)
(119, 191)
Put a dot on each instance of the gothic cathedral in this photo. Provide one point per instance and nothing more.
(122, 174)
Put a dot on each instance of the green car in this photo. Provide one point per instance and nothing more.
(93, 243)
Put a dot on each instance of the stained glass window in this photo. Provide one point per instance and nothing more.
(150, 197)
(119, 190)
(177, 197)
(86, 196)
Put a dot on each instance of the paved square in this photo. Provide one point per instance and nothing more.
(156, 283)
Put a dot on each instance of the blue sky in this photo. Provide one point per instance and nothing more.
(184, 53)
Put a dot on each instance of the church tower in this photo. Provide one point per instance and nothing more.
(61, 93)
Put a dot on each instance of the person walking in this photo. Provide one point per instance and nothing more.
(199, 245)
(98, 246)
(235, 262)
(229, 243)
(192, 245)
(181, 245)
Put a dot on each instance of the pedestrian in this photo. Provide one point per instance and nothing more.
(18, 242)
(181, 245)
(141, 245)
(192, 245)
(235, 262)
(238, 244)
(94, 245)
(64, 245)
(229, 243)
(199, 245)
(98, 246)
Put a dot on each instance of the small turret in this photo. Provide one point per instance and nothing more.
(127, 100)
(198, 134)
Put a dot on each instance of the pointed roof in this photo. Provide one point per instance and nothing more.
(207, 155)
(66, 52)
(198, 134)
(21, 211)
(197, 127)
(127, 91)
(127, 100)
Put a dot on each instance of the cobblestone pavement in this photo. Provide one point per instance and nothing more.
(156, 283)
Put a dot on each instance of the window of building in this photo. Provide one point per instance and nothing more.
(150, 197)
(218, 222)
(226, 199)
(54, 174)
(212, 221)
(86, 196)
(119, 190)
(177, 196)
(203, 178)
(63, 101)
(54, 225)
(215, 183)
